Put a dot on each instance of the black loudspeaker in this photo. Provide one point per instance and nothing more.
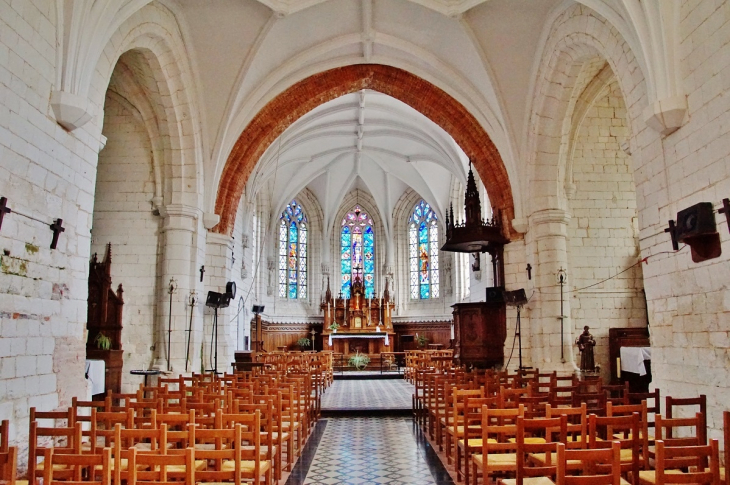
(696, 227)
(697, 220)
(217, 300)
(515, 297)
(407, 338)
(495, 294)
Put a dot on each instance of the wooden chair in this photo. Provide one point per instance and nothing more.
(673, 402)
(269, 449)
(625, 431)
(8, 465)
(471, 439)
(577, 423)
(538, 437)
(227, 449)
(62, 439)
(253, 468)
(684, 464)
(77, 469)
(726, 443)
(154, 468)
(600, 466)
(653, 407)
(454, 427)
(499, 454)
(8, 455)
(595, 401)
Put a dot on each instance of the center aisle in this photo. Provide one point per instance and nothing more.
(367, 449)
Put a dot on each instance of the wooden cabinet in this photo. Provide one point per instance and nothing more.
(480, 330)
(104, 316)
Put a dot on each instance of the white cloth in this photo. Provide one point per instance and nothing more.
(95, 374)
(632, 359)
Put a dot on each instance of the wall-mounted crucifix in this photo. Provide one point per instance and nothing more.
(57, 228)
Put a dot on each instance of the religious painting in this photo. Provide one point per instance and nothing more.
(293, 252)
(423, 252)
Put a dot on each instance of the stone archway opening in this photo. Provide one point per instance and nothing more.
(302, 97)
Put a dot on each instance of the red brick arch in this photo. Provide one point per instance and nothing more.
(315, 90)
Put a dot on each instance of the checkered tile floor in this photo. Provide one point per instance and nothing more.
(369, 451)
(368, 394)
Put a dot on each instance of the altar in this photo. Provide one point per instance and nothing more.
(358, 324)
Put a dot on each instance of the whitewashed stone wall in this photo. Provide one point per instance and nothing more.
(123, 216)
(689, 303)
(603, 232)
(47, 173)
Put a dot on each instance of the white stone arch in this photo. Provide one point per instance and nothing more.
(161, 45)
(577, 35)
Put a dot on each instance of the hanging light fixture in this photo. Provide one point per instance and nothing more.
(473, 235)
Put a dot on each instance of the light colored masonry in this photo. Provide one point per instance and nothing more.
(118, 117)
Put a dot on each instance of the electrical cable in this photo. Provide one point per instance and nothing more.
(261, 248)
(642, 260)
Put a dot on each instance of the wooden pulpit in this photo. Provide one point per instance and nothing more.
(480, 330)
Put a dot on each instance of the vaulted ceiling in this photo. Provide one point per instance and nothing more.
(367, 141)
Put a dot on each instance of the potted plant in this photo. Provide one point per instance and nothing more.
(422, 340)
(102, 341)
(359, 361)
(304, 343)
(334, 327)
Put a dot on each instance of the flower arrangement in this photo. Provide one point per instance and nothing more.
(334, 326)
(359, 361)
(304, 343)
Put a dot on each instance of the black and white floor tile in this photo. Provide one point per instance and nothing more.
(368, 394)
(369, 451)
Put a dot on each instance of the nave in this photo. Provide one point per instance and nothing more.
(365, 438)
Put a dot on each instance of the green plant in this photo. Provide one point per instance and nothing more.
(102, 341)
(359, 361)
(422, 340)
(334, 326)
(304, 342)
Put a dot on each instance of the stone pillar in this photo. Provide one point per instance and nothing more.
(179, 263)
(218, 265)
(550, 227)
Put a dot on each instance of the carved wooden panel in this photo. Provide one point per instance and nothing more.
(480, 332)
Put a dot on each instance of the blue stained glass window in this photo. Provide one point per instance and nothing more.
(293, 252)
(423, 251)
(357, 251)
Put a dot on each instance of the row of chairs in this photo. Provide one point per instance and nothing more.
(287, 405)
(440, 405)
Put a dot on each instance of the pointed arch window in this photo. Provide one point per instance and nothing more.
(357, 251)
(293, 252)
(423, 241)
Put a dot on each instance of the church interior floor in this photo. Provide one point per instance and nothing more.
(385, 448)
(368, 394)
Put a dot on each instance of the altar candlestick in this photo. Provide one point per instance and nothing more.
(452, 332)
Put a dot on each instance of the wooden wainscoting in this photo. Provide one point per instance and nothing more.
(277, 335)
(435, 332)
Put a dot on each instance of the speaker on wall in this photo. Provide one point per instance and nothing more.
(697, 220)
(495, 294)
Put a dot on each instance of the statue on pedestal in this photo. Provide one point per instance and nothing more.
(585, 344)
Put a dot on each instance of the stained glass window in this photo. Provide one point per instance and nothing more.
(293, 252)
(423, 251)
(357, 251)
